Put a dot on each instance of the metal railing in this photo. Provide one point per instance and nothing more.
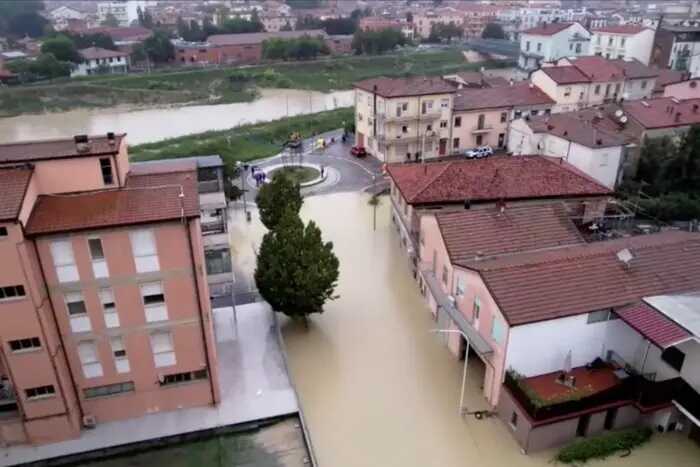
(213, 227)
(209, 186)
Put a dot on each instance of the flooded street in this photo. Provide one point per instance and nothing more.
(376, 387)
(145, 126)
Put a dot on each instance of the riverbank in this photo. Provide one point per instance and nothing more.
(243, 143)
(215, 86)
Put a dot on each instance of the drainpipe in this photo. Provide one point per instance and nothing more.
(60, 338)
(201, 312)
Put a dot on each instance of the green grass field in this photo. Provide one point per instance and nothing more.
(246, 142)
(213, 86)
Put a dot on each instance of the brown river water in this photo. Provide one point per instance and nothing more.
(377, 388)
(153, 124)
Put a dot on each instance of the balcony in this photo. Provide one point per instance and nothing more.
(209, 186)
(213, 227)
(433, 114)
(8, 400)
(481, 129)
(406, 138)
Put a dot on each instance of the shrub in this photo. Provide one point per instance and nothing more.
(601, 447)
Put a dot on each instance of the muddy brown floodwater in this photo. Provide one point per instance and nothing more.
(377, 388)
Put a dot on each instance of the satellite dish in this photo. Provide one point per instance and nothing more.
(618, 113)
(623, 119)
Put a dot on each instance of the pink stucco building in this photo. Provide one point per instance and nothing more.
(103, 290)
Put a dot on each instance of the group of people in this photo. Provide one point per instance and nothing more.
(259, 176)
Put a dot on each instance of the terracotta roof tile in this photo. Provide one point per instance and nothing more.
(13, 185)
(667, 77)
(565, 74)
(491, 179)
(93, 53)
(634, 69)
(564, 281)
(521, 94)
(57, 148)
(259, 37)
(573, 127)
(518, 228)
(147, 198)
(547, 29)
(597, 69)
(131, 33)
(664, 112)
(621, 29)
(652, 324)
(413, 86)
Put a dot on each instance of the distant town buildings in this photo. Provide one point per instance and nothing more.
(98, 61)
(549, 42)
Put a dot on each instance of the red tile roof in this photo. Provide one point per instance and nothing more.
(131, 33)
(492, 179)
(260, 37)
(664, 112)
(147, 198)
(573, 127)
(57, 148)
(547, 29)
(597, 69)
(521, 94)
(652, 324)
(13, 185)
(488, 231)
(564, 281)
(621, 29)
(634, 69)
(94, 53)
(566, 74)
(401, 87)
(667, 77)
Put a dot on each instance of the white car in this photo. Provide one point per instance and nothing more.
(478, 153)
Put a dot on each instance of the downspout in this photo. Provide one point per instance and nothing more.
(60, 336)
(201, 313)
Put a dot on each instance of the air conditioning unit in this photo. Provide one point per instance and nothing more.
(89, 421)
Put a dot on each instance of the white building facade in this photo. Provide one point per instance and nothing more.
(624, 42)
(550, 42)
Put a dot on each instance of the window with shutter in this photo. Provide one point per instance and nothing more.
(121, 361)
(163, 350)
(87, 351)
(109, 308)
(77, 312)
(64, 261)
(154, 302)
(143, 245)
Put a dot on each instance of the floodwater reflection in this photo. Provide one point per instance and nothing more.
(377, 388)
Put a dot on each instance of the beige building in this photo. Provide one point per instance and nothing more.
(483, 116)
(423, 23)
(273, 22)
(404, 119)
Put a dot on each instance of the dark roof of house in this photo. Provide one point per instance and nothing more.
(133, 33)
(488, 231)
(565, 74)
(27, 151)
(520, 94)
(175, 165)
(634, 69)
(557, 282)
(412, 86)
(259, 37)
(621, 29)
(667, 77)
(576, 130)
(597, 69)
(664, 112)
(547, 29)
(652, 324)
(147, 198)
(491, 179)
(13, 186)
(94, 53)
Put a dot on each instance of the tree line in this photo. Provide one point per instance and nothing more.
(301, 48)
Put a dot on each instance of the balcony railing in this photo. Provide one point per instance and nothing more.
(482, 129)
(213, 227)
(405, 117)
(633, 389)
(407, 138)
(209, 186)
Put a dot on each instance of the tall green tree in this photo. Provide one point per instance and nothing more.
(276, 197)
(296, 271)
(61, 47)
(159, 48)
(493, 31)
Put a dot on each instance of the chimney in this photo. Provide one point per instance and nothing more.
(111, 139)
(80, 139)
(467, 204)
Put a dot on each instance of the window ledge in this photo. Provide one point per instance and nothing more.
(39, 398)
(24, 351)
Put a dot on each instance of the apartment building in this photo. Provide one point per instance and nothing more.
(104, 291)
(550, 42)
(579, 82)
(273, 22)
(404, 119)
(483, 116)
(420, 189)
(423, 22)
(99, 61)
(625, 41)
(678, 48)
(118, 9)
(626, 351)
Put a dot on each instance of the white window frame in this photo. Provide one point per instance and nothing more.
(121, 359)
(99, 265)
(78, 322)
(110, 313)
(64, 260)
(145, 250)
(163, 352)
(90, 359)
(154, 311)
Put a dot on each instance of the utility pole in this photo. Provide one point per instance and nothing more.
(243, 170)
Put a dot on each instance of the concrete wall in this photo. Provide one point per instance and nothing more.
(628, 46)
(568, 97)
(635, 89)
(683, 90)
(495, 124)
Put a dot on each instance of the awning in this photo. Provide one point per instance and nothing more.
(652, 324)
(475, 340)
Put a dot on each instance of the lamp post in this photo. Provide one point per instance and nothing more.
(462, 408)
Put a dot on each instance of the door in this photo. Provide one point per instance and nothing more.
(443, 146)
(360, 140)
(582, 427)
(610, 416)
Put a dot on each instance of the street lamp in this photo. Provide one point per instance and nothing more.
(462, 408)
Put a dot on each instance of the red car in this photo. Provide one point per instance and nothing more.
(358, 151)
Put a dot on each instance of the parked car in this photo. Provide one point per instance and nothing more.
(478, 153)
(358, 151)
